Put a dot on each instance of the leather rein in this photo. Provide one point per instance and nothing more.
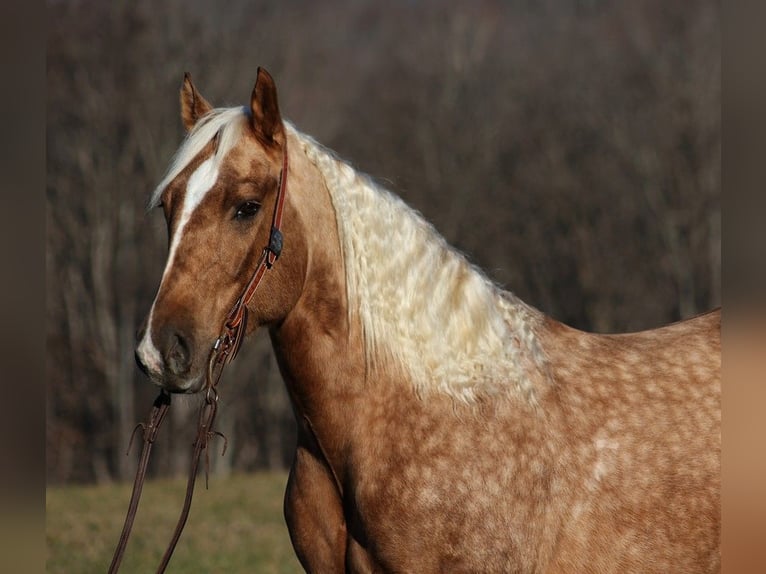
(224, 350)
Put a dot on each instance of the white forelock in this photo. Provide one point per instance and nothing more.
(225, 123)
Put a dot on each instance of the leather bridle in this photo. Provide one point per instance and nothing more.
(224, 350)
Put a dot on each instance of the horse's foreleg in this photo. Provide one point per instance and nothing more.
(314, 515)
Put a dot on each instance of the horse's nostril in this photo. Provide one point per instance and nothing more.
(178, 355)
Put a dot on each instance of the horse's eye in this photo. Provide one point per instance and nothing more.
(247, 210)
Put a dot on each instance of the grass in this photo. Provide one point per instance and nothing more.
(235, 526)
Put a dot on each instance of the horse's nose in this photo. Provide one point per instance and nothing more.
(176, 351)
(140, 362)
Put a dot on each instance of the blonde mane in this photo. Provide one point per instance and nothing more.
(421, 303)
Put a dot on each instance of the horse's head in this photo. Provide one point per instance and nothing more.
(218, 196)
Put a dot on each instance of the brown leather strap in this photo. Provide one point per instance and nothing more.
(150, 428)
(204, 433)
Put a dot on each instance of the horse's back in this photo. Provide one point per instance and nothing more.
(675, 365)
(639, 438)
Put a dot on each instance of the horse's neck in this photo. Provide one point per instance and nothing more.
(321, 358)
(400, 301)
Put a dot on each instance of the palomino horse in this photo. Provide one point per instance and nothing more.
(443, 424)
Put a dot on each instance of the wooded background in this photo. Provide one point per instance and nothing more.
(571, 148)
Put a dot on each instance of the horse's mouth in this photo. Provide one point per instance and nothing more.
(179, 386)
(174, 384)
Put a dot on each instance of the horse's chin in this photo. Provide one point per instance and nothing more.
(178, 385)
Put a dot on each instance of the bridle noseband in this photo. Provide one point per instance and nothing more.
(224, 350)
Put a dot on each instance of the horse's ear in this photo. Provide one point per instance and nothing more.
(193, 105)
(266, 120)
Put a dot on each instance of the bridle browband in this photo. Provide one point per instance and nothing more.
(224, 350)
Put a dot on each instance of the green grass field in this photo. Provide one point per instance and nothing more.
(235, 526)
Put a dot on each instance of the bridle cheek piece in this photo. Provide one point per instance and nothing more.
(224, 350)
